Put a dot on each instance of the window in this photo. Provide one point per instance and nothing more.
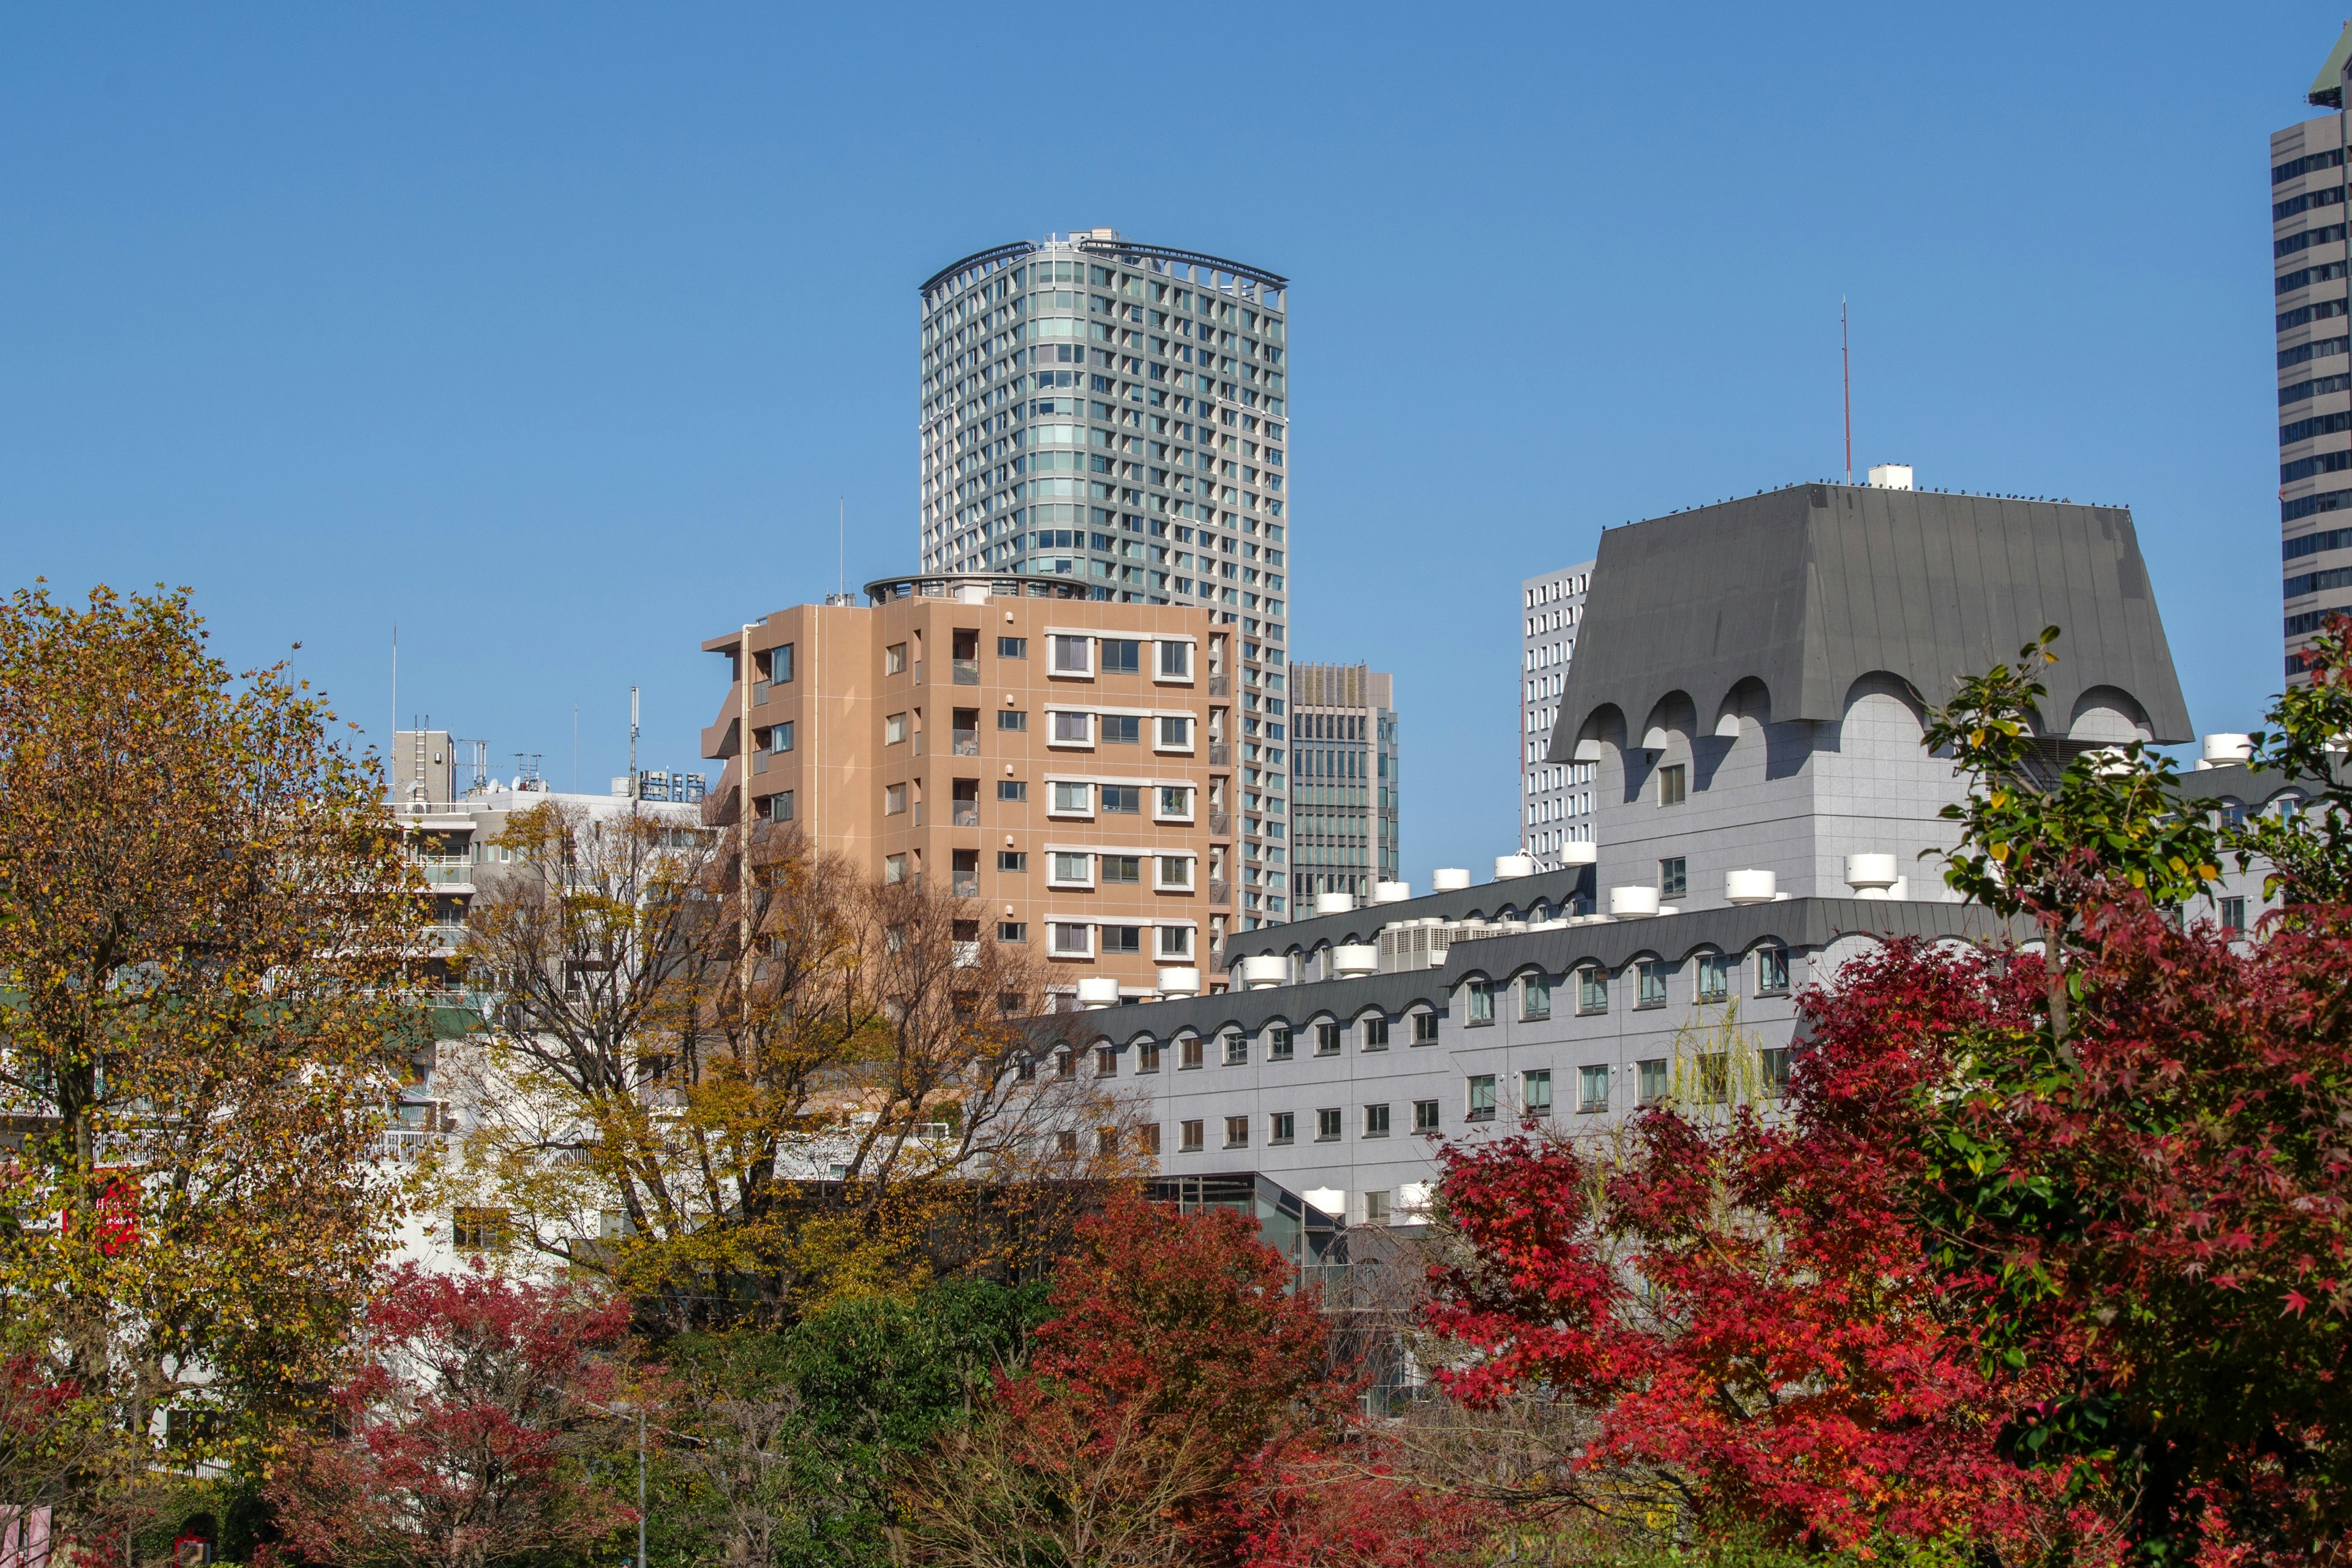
(1534, 1092)
(1122, 938)
(1236, 1131)
(1713, 1078)
(1277, 1044)
(1674, 784)
(1424, 1028)
(779, 806)
(1188, 1053)
(1107, 1142)
(1025, 1069)
(1481, 1002)
(1176, 660)
(1188, 1132)
(1147, 1055)
(1073, 799)
(1074, 729)
(2233, 915)
(893, 799)
(1591, 1090)
(894, 729)
(1236, 1049)
(1148, 1136)
(1175, 800)
(894, 659)
(1535, 997)
(1376, 1034)
(780, 738)
(1376, 1206)
(1072, 939)
(1592, 989)
(1376, 1121)
(1714, 978)
(1282, 1127)
(1481, 1098)
(1012, 789)
(894, 869)
(780, 665)
(1175, 942)
(1773, 1061)
(1069, 868)
(1011, 931)
(1327, 1039)
(1771, 972)
(1674, 877)
(1653, 1081)
(1424, 1116)
(1175, 871)
(1013, 647)
(1016, 719)
(1122, 869)
(1072, 656)
(1651, 975)
(1012, 860)
(480, 1230)
(1175, 734)
(1121, 729)
(1122, 800)
(1121, 655)
(1327, 1126)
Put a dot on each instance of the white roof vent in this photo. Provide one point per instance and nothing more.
(1449, 880)
(1639, 900)
(1579, 854)
(1334, 903)
(1509, 866)
(1392, 893)
(2224, 748)
(1890, 476)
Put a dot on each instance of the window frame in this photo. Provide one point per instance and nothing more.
(1775, 955)
(1055, 931)
(1532, 1079)
(1376, 1121)
(1586, 1103)
(1478, 1097)
(1481, 1003)
(1427, 1117)
(1592, 991)
(1649, 983)
(1674, 783)
(1060, 643)
(1535, 997)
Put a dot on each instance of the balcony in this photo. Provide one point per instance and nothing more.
(967, 671)
(1221, 754)
(967, 814)
(967, 953)
(967, 884)
(1221, 824)
(1221, 893)
(918, 814)
(916, 742)
(1221, 686)
(445, 870)
(967, 742)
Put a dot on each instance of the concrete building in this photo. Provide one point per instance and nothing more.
(1345, 782)
(2311, 250)
(1556, 798)
(1065, 762)
(1749, 693)
(1115, 416)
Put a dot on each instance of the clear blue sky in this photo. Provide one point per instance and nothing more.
(554, 332)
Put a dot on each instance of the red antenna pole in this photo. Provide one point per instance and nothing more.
(1845, 374)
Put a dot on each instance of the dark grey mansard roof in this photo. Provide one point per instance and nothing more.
(1485, 901)
(1809, 588)
(1801, 923)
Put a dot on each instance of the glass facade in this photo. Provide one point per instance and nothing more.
(1116, 415)
(1346, 781)
(1556, 798)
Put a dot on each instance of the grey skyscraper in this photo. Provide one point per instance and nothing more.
(1555, 798)
(1097, 409)
(2310, 249)
(1343, 819)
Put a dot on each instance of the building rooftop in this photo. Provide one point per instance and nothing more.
(1794, 594)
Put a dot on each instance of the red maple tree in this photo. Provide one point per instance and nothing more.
(464, 1429)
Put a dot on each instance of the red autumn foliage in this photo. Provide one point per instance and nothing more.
(463, 1429)
(1750, 1308)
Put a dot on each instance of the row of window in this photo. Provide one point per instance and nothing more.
(1088, 868)
(2324, 463)
(2306, 239)
(1712, 982)
(2318, 425)
(2318, 348)
(2318, 387)
(2318, 310)
(2311, 506)
(2326, 196)
(2305, 277)
(2312, 543)
(1089, 939)
(2313, 582)
(2295, 168)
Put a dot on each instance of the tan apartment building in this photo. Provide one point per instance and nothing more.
(1065, 764)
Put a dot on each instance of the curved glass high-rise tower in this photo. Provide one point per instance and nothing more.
(1117, 414)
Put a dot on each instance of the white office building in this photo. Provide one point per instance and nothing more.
(1556, 798)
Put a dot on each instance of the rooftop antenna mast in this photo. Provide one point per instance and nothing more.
(1845, 374)
(841, 544)
(632, 742)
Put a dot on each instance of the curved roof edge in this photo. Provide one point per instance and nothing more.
(1190, 257)
(979, 257)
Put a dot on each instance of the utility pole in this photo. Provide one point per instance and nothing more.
(1845, 377)
(641, 1484)
(743, 673)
